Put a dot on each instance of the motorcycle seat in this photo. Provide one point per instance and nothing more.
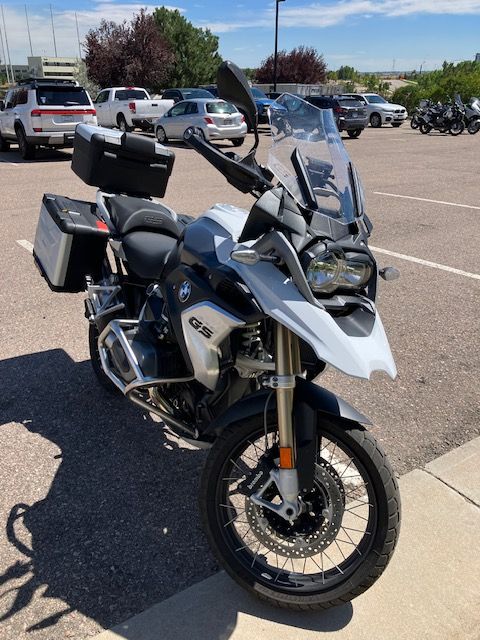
(147, 252)
(129, 214)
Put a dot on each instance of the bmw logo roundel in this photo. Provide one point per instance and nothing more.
(184, 291)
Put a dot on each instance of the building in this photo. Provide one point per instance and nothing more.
(20, 71)
(477, 57)
(304, 89)
(45, 67)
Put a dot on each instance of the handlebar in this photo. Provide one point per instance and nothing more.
(244, 174)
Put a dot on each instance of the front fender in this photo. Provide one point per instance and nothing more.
(307, 393)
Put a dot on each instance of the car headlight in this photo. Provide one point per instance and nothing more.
(332, 270)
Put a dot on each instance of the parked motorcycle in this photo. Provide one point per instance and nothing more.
(418, 112)
(472, 114)
(219, 324)
(443, 118)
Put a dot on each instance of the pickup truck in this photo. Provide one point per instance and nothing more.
(129, 107)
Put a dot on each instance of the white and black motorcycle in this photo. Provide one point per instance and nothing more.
(219, 324)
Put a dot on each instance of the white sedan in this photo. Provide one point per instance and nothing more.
(216, 119)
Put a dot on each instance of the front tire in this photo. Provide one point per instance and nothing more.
(425, 128)
(161, 135)
(376, 120)
(457, 127)
(305, 589)
(414, 123)
(474, 127)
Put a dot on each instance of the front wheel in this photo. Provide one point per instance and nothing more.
(414, 123)
(376, 120)
(425, 128)
(341, 542)
(474, 127)
(457, 127)
(27, 150)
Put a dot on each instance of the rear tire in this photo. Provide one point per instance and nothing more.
(354, 133)
(123, 125)
(376, 120)
(102, 377)
(237, 142)
(4, 144)
(27, 150)
(314, 593)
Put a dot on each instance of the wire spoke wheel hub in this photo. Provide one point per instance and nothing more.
(315, 528)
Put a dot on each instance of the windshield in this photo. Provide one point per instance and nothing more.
(257, 93)
(376, 100)
(308, 157)
(59, 96)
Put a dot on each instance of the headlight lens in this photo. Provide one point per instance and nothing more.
(333, 269)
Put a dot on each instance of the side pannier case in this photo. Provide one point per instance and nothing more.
(70, 243)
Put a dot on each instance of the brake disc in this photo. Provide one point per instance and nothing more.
(314, 529)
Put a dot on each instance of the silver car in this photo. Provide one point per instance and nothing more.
(216, 119)
(380, 111)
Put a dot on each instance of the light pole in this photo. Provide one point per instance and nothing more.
(277, 2)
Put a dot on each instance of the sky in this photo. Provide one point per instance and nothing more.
(371, 35)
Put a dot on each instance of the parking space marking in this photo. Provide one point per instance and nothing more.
(450, 204)
(426, 263)
(26, 245)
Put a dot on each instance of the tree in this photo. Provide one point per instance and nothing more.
(134, 54)
(348, 73)
(84, 80)
(302, 65)
(196, 49)
(250, 73)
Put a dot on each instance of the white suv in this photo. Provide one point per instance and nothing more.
(380, 111)
(43, 113)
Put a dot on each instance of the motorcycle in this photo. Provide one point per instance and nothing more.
(472, 114)
(218, 325)
(444, 118)
(418, 112)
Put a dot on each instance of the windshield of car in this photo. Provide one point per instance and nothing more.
(131, 94)
(258, 93)
(305, 140)
(376, 100)
(62, 97)
(221, 107)
(188, 94)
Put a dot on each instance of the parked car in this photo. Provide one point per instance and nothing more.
(43, 113)
(212, 88)
(216, 119)
(128, 107)
(262, 103)
(350, 114)
(186, 94)
(380, 111)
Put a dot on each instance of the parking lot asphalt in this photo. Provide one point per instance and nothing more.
(98, 512)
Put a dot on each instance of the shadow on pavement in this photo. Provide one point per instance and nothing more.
(118, 529)
(41, 155)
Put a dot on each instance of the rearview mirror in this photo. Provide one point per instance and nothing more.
(233, 87)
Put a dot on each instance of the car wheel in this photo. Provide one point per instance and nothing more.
(396, 124)
(354, 133)
(27, 151)
(123, 125)
(161, 135)
(376, 120)
(237, 142)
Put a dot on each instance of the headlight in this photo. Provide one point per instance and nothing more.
(334, 269)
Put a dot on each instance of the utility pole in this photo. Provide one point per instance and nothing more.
(28, 29)
(4, 58)
(53, 31)
(12, 79)
(277, 2)
(78, 38)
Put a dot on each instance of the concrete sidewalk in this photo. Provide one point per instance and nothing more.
(430, 590)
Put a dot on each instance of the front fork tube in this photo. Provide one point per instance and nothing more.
(288, 365)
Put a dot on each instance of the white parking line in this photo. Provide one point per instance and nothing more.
(26, 245)
(427, 263)
(450, 204)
